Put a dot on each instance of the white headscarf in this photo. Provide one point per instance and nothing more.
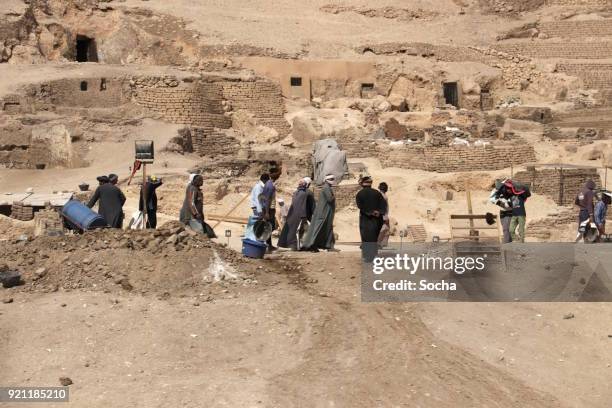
(191, 176)
(307, 181)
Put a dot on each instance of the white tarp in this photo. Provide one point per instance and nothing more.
(327, 158)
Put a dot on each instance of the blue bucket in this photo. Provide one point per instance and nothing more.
(253, 249)
(82, 217)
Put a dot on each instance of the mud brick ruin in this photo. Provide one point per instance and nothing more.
(560, 184)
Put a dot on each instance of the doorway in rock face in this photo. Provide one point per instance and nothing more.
(86, 49)
(451, 94)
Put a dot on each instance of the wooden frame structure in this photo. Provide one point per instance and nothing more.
(479, 239)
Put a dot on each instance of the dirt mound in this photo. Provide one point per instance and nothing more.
(13, 229)
(170, 260)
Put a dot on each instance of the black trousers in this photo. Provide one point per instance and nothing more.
(152, 219)
(272, 221)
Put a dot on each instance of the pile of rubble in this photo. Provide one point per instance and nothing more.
(171, 259)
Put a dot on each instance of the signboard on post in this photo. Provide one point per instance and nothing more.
(145, 154)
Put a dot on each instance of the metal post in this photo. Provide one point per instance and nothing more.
(144, 195)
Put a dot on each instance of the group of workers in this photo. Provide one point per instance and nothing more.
(110, 200)
(591, 211)
(511, 197)
(308, 224)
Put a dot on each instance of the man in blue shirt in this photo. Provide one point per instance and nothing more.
(256, 195)
(601, 210)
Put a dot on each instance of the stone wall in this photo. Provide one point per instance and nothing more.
(446, 159)
(560, 185)
(567, 50)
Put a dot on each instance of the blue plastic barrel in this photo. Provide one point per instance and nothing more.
(82, 217)
(253, 249)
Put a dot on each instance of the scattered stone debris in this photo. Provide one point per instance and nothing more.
(65, 381)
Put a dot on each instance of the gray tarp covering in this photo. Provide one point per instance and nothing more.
(327, 158)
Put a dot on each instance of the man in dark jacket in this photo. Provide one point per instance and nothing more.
(149, 188)
(585, 201)
(111, 202)
(372, 206)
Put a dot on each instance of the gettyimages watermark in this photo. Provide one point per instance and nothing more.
(547, 272)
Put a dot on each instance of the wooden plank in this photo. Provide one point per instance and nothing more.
(8, 198)
(39, 199)
(227, 218)
(467, 217)
(477, 228)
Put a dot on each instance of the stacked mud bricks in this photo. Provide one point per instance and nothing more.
(597, 76)
(561, 185)
(202, 105)
(21, 212)
(198, 106)
(456, 158)
(213, 143)
(568, 50)
(578, 2)
(48, 222)
(345, 194)
(262, 98)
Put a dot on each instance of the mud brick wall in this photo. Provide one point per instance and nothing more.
(578, 2)
(262, 98)
(446, 159)
(598, 76)
(561, 186)
(576, 29)
(213, 143)
(567, 50)
(360, 149)
(100, 92)
(48, 222)
(199, 106)
(15, 141)
(345, 194)
(587, 118)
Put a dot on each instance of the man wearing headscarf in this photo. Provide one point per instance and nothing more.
(192, 211)
(102, 180)
(150, 188)
(585, 202)
(372, 206)
(300, 213)
(111, 200)
(320, 235)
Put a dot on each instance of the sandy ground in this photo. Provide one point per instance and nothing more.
(292, 26)
(289, 343)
